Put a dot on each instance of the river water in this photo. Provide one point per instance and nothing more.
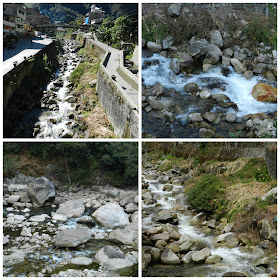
(57, 118)
(235, 86)
(233, 259)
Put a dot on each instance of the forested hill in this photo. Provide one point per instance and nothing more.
(75, 163)
(69, 12)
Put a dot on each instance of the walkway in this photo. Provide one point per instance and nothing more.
(23, 48)
(113, 65)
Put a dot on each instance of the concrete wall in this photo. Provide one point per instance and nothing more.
(120, 110)
(12, 81)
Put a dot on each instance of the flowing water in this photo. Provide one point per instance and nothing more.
(235, 86)
(57, 120)
(51, 257)
(233, 259)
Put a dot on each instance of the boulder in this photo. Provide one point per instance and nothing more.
(72, 237)
(205, 93)
(81, 261)
(216, 38)
(15, 219)
(213, 48)
(156, 90)
(13, 198)
(156, 105)
(238, 66)
(41, 191)
(72, 208)
(59, 217)
(167, 42)
(186, 246)
(231, 117)
(213, 259)
(210, 117)
(188, 257)
(186, 61)
(211, 58)
(225, 60)
(248, 75)
(272, 193)
(264, 93)
(191, 87)
(195, 117)
(154, 47)
(259, 68)
(196, 47)
(207, 133)
(38, 218)
(112, 258)
(169, 257)
(266, 229)
(111, 215)
(155, 253)
(174, 10)
(262, 261)
(146, 259)
(228, 52)
(175, 65)
(202, 255)
(122, 236)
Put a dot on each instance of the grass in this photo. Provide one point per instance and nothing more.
(154, 31)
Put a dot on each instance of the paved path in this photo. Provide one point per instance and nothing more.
(23, 48)
(113, 65)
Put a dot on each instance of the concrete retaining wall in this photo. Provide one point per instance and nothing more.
(12, 81)
(120, 110)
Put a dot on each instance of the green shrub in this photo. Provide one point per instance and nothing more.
(9, 167)
(78, 72)
(207, 195)
(154, 31)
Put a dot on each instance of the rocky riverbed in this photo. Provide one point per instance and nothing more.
(179, 242)
(68, 232)
(209, 86)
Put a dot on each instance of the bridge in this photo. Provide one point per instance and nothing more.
(61, 25)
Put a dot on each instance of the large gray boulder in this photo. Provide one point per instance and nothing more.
(201, 255)
(72, 208)
(175, 65)
(174, 10)
(72, 237)
(123, 236)
(41, 191)
(169, 257)
(238, 66)
(198, 48)
(111, 215)
(216, 38)
(81, 261)
(112, 258)
(154, 47)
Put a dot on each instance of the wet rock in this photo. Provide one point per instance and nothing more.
(156, 105)
(41, 191)
(207, 67)
(186, 61)
(186, 246)
(213, 259)
(201, 255)
(112, 258)
(59, 217)
(231, 117)
(169, 257)
(188, 257)
(248, 75)
(268, 75)
(72, 208)
(204, 93)
(264, 93)
(167, 188)
(81, 261)
(225, 60)
(195, 117)
(175, 65)
(209, 116)
(238, 66)
(154, 47)
(262, 261)
(234, 274)
(211, 58)
(191, 87)
(111, 215)
(72, 237)
(220, 97)
(216, 38)
(155, 253)
(146, 259)
(15, 219)
(156, 90)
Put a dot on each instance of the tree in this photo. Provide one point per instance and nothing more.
(121, 29)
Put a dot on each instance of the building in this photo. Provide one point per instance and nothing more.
(36, 18)
(95, 16)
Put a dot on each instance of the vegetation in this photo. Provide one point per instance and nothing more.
(207, 195)
(115, 163)
(153, 30)
(112, 32)
(67, 12)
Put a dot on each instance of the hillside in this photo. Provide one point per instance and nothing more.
(69, 12)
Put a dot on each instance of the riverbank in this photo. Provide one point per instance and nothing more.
(68, 232)
(234, 232)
